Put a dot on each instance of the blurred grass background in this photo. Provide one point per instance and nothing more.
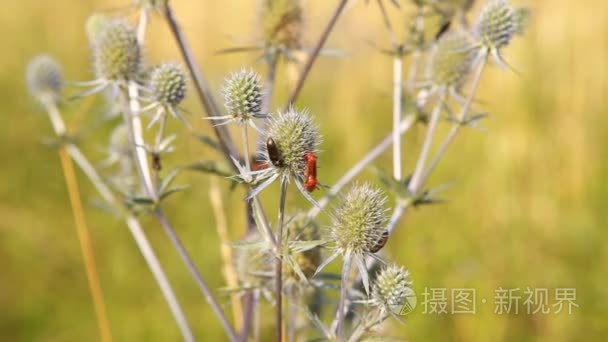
(526, 207)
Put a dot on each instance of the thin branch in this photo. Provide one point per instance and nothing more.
(343, 293)
(215, 197)
(86, 246)
(279, 264)
(315, 53)
(144, 172)
(197, 276)
(134, 226)
(397, 93)
(415, 184)
(461, 118)
(202, 88)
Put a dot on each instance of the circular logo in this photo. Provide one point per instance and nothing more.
(405, 305)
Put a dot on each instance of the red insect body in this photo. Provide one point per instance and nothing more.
(311, 172)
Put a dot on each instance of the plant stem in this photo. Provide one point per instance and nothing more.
(343, 294)
(415, 184)
(279, 263)
(456, 127)
(142, 167)
(197, 276)
(202, 89)
(405, 125)
(134, 226)
(315, 53)
(397, 89)
(215, 197)
(86, 246)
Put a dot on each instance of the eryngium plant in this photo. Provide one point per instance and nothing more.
(451, 60)
(117, 55)
(44, 78)
(243, 95)
(391, 287)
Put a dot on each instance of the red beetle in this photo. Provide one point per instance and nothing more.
(311, 182)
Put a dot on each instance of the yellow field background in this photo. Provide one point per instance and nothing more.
(526, 206)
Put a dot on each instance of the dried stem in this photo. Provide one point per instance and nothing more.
(86, 246)
(343, 294)
(134, 226)
(415, 183)
(129, 108)
(279, 263)
(202, 88)
(215, 197)
(315, 53)
(397, 89)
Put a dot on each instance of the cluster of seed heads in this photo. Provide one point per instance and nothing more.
(243, 95)
(391, 287)
(498, 23)
(283, 22)
(451, 60)
(168, 84)
(358, 222)
(117, 55)
(295, 134)
(44, 78)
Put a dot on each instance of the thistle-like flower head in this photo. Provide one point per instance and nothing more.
(243, 95)
(44, 78)
(295, 134)
(452, 60)
(283, 23)
(358, 222)
(117, 55)
(168, 84)
(498, 23)
(391, 287)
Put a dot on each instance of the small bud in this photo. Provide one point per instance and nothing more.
(497, 24)
(391, 287)
(283, 23)
(243, 95)
(168, 84)
(44, 78)
(294, 134)
(254, 266)
(116, 53)
(452, 59)
(358, 222)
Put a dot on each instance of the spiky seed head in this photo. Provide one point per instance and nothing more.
(44, 78)
(451, 60)
(497, 24)
(116, 53)
(283, 23)
(358, 222)
(243, 94)
(295, 134)
(168, 84)
(391, 287)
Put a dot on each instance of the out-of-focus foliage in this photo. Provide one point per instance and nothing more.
(526, 207)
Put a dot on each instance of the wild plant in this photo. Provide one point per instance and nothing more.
(282, 262)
